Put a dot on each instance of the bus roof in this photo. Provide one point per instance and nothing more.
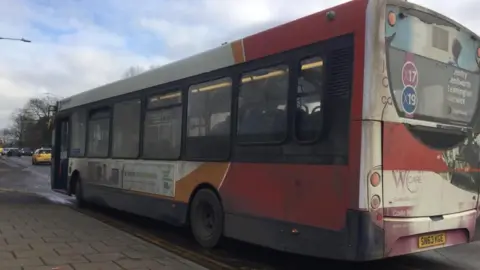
(214, 59)
(301, 32)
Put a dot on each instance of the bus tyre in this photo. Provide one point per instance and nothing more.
(206, 218)
(79, 193)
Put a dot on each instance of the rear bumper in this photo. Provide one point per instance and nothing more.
(359, 240)
(401, 234)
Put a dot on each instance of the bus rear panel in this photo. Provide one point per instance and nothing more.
(422, 182)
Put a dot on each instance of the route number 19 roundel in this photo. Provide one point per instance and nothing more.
(409, 100)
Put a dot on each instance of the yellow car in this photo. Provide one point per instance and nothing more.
(42, 155)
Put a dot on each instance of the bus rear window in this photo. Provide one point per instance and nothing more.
(432, 67)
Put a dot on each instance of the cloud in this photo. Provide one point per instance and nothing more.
(81, 44)
(70, 53)
(200, 25)
(177, 35)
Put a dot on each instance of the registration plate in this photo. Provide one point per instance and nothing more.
(432, 240)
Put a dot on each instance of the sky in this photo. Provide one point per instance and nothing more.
(81, 44)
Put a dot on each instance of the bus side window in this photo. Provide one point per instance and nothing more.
(126, 129)
(208, 120)
(163, 126)
(262, 112)
(77, 136)
(99, 133)
(309, 112)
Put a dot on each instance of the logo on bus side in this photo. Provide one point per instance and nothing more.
(407, 181)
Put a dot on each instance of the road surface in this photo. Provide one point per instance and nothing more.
(458, 257)
(38, 182)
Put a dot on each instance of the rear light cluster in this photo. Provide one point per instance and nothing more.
(392, 18)
(375, 201)
(375, 181)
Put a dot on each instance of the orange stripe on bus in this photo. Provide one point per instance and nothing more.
(238, 51)
(208, 173)
(211, 173)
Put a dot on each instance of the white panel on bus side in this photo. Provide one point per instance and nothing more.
(151, 177)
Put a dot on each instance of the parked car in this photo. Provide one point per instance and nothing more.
(42, 155)
(13, 152)
(26, 151)
(4, 151)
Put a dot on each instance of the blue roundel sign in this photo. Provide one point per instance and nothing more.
(409, 100)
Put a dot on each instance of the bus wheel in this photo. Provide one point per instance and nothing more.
(79, 192)
(206, 218)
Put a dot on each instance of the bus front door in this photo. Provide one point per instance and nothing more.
(60, 156)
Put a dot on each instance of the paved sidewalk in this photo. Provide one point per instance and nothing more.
(36, 234)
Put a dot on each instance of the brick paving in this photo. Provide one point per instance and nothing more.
(38, 235)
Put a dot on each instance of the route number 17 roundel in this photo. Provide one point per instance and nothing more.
(410, 74)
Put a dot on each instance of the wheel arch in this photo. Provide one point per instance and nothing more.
(73, 182)
(195, 191)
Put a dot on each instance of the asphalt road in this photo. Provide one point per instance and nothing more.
(28, 178)
(19, 174)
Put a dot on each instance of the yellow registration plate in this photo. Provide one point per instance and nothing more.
(432, 240)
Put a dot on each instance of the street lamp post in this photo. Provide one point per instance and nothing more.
(17, 39)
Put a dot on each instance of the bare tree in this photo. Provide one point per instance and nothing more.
(18, 118)
(8, 137)
(29, 125)
(133, 71)
(38, 107)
